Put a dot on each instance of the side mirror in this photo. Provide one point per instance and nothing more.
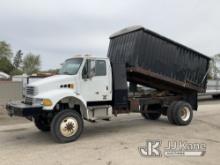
(91, 74)
(84, 73)
(89, 69)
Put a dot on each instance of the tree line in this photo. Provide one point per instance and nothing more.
(18, 63)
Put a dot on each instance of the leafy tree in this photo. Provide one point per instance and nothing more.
(5, 50)
(16, 71)
(31, 63)
(18, 59)
(5, 65)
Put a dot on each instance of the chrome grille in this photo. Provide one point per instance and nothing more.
(28, 100)
(30, 91)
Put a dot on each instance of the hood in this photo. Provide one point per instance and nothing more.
(53, 82)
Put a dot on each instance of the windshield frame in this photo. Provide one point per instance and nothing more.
(66, 73)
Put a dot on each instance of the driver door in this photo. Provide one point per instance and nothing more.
(94, 83)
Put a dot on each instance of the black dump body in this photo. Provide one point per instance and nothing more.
(144, 57)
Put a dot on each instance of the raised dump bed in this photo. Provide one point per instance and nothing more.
(155, 61)
(151, 79)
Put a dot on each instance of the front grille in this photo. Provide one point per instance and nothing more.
(31, 91)
(28, 100)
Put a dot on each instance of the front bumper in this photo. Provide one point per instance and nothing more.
(16, 108)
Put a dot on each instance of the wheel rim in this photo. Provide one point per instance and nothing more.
(68, 126)
(185, 113)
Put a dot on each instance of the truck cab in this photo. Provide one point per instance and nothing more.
(88, 79)
(83, 86)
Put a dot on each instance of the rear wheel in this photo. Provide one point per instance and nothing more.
(170, 115)
(216, 96)
(66, 126)
(150, 115)
(183, 113)
(153, 116)
(180, 113)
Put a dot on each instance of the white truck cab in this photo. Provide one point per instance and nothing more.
(87, 79)
(84, 84)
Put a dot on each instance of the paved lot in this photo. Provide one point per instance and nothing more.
(111, 143)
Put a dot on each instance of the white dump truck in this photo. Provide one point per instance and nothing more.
(93, 88)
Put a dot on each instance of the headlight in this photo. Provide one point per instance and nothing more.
(47, 102)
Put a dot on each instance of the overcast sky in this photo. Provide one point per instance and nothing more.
(59, 29)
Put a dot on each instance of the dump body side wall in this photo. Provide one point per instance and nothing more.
(156, 54)
(142, 49)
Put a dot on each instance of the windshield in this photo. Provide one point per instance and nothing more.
(71, 66)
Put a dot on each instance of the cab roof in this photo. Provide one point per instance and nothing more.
(88, 57)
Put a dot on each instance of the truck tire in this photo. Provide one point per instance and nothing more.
(170, 115)
(164, 111)
(154, 116)
(216, 96)
(182, 113)
(66, 126)
(151, 116)
(42, 124)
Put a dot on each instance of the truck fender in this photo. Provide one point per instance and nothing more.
(66, 95)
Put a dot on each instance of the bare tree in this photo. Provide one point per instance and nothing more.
(17, 59)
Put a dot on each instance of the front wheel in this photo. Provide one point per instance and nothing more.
(66, 126)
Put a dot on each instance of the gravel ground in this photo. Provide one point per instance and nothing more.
(111, 143)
